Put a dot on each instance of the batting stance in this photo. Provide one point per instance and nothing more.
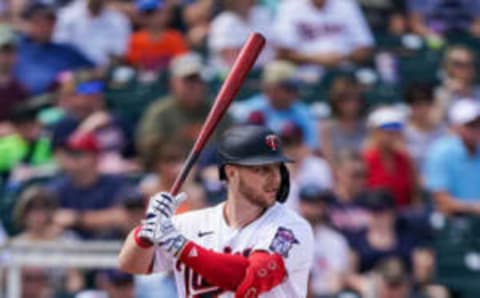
(248, 246)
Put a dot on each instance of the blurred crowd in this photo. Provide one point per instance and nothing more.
(378, 101)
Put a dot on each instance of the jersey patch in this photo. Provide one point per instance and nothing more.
(283, 241)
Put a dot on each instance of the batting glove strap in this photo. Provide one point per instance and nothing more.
(141, 242)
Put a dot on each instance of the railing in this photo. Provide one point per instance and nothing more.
(66, 254)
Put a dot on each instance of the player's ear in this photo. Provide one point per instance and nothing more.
(230, 172)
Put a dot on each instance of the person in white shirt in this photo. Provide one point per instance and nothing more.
(99, 32)
(231, 28)
(249, 246)
(324, 33)
(331, 253)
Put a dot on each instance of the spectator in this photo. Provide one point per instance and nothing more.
(164, 164)
(458, 82)
(346, 212)
(330, 260)
(35, 283)
(388, 165)
(453, 163)
(421, 130)
(88, 200)
(40, 59)
(116, 284)
(181, 114)
(382, 15)
(106, 30)
(382, 238)
(307, 168)
(34, 214)
(11, 91)
(197, 16)
(151, 49)
(26, 149)
(346, 130)
(85, 111)
(279, 103)
(231, 28)
(325, 33)
(437, 17)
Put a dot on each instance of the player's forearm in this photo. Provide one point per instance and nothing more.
(295, 57)
(135, 259)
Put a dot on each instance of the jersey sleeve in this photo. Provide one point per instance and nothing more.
(360, 34)
(295, 244)
(284, 27)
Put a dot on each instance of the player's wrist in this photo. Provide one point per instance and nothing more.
(141, 242)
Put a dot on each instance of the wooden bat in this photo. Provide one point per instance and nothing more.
(244, 62)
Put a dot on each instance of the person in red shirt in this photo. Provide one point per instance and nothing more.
(388, 165)
(152, 47)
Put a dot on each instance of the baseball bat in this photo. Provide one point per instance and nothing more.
(230, 87)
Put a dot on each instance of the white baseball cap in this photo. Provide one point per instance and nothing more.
(387, 118)
(464, 111)
(186, 65)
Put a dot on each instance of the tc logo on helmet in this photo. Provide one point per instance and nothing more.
(272, 141)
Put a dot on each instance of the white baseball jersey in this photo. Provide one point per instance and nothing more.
(339, 27)
(277, 230)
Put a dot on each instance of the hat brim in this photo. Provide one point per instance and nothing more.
(261, 160)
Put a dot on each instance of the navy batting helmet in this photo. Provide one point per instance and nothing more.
(253, 145)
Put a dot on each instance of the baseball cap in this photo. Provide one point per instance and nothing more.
(149, 5)
(464, 111)
(186, 65)
(386, 118)
(378, 200)
(83, 142)
(7, 36)
(89, 87)
(313, 193)
(280, 71)
(39, 8)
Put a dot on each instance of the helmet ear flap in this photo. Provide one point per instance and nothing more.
(284, 189)
(221, 172)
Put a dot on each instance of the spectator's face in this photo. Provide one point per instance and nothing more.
(30, 130)
(421, 110)
(281, 97)
(388, 139)
(37, 218)
(386, 290)
(189, 91)
(7, 58)
(81, 163)
(156, 19)
(461, 66)
(35, 283)
(319, 3)
(313, 212)
(41, 27)
(351, 175)
(350, 105)
(123, 290)
(169, 168)
(382, 218)
(82, 105)
(470, 132)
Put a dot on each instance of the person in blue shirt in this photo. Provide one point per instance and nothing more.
(39, 59)
(279, 103)
(453, 164)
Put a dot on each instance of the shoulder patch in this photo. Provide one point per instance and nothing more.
(283, 241)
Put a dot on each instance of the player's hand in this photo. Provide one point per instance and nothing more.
(157, 227)
(164, 204)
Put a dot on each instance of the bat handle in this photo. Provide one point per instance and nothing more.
(187, 166)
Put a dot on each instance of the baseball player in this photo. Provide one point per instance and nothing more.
(248, 246)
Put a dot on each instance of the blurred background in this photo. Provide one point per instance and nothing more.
(378, 101)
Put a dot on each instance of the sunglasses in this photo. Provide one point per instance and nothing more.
(462, 64)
